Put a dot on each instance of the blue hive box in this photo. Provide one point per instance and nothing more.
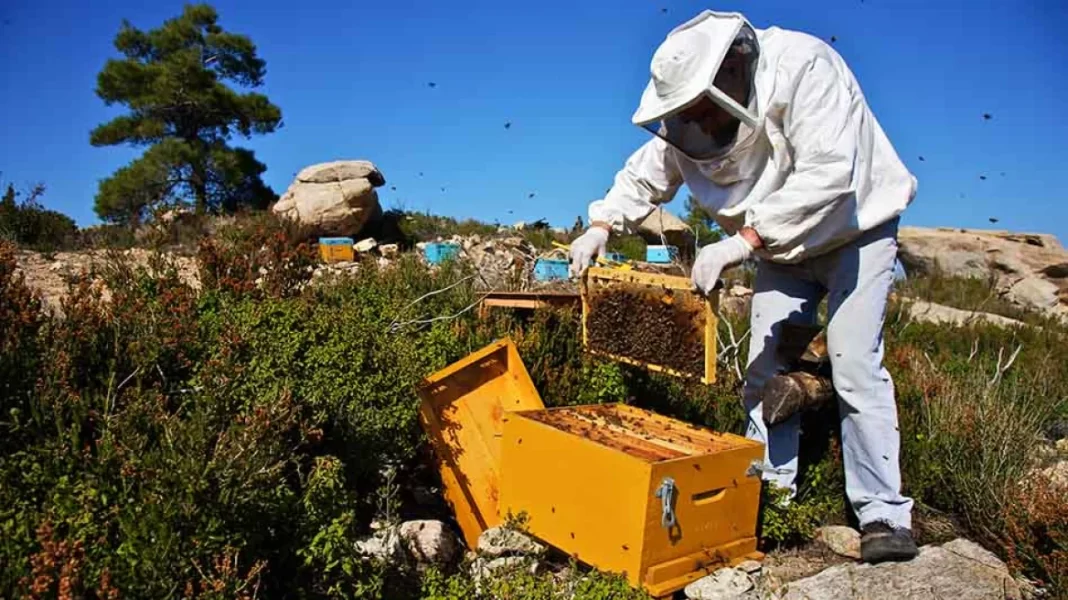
(661, 254)
(615, 257)
(550, 269)
(335, 241)
(439, 252)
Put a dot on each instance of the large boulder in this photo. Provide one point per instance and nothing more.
(959, 569)
(334, 198)
(1029, 269)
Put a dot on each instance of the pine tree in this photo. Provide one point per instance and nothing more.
(173, 81)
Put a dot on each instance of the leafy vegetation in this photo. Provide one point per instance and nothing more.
(233, 440)
(29, 224)
(172, 79)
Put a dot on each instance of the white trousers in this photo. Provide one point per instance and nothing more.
(857, 279)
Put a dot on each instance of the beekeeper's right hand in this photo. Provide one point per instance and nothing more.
(587, 246)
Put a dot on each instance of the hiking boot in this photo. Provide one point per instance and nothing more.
(881, 542)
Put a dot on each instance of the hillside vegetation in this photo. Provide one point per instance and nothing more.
(233, 440)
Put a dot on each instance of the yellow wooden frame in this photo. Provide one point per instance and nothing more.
(671, 282)
(461, 410)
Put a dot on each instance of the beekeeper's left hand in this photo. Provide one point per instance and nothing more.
(713, 259)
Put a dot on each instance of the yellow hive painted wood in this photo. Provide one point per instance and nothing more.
(587, 478)
(336, 253)
(461, 411)
(600, 276)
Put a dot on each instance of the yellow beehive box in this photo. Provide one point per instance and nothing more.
(461, 412)
(629, 491)
(650, 320)
(336, 249)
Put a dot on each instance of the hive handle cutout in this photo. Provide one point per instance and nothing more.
(708, 497)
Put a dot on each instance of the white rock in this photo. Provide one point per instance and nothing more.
(502, 541)
(750, 566)
(389, 250)
(930, 312)
(429, 542)
(340, 170)
(483, 567)
(960, 570)
(332, 198)
(365, 245)
(841, 540)
(384, 545)
(1057, 473)
(724, 584)
(1027, 267)
(740, 291)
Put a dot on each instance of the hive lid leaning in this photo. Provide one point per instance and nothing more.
(461, 410)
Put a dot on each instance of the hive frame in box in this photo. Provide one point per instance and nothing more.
(596, 275)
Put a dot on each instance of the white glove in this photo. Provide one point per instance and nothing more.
(714, 258)
(585, 247)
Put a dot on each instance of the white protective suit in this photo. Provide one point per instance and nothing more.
(814, 175)
(813, 171)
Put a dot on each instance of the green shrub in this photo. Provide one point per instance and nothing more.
(29, 224)
(968, 293)
(520, 584)
(234, 439)
(632, 247)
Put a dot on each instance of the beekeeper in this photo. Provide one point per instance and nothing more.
(769, 130)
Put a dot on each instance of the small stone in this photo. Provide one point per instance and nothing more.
(1057, 473)
(751, 567)
(429, 542)
(502, 541)
(389, 250)
(841, 540)
(483, 567)
(1062, 446)
(384, 545)
(740, 291)
(365, 245)
(724, 584)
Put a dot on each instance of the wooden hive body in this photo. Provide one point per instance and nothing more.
(587, 478)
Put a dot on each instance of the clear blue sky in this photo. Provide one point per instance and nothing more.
(352, 81)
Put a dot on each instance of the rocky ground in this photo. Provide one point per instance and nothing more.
(827, 569)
